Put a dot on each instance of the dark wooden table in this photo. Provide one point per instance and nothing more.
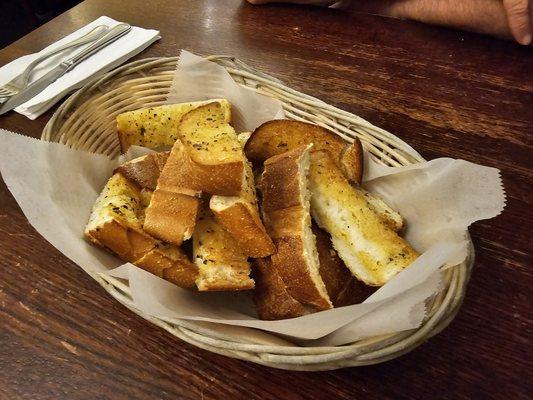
(447, 93)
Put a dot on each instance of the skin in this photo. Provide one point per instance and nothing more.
(520, 18)
(503, 18)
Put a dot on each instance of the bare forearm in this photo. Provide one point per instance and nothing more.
(485, 16)
(505, 18)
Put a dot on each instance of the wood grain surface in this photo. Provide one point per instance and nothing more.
(447, 93)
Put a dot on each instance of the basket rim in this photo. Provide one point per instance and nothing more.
(286, 357)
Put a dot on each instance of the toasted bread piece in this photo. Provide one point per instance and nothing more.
(206, 158)
(221, 263)
(215, 156)
(271, 297)
(171, 216)
(369, 248)
(166, 261)
(170, 263)
(390, 217)
(157, 126)
(144, 171)
(239, 215)
(278, 136)
(288, 222)
(114, 224)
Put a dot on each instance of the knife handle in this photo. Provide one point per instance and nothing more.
(112, 35)
(95, 33)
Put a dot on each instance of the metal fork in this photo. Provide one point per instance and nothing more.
(19, 82)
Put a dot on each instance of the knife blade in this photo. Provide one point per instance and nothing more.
(40, 84)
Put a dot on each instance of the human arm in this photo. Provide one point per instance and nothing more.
(507, 18)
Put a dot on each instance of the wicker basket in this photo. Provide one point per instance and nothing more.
(86, 120)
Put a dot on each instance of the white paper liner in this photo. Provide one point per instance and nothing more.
(197, 79)
(56, 186)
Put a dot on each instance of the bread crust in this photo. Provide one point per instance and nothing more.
(332, 269)
(294, 270)
(144, 171)
(273, 300)
(212, 168)
(280, 181)
(171, 264)
(279, 136)
(352, 162)
(171, 216)
(286, 214)
(354, 292)
(115, 224)
(184, 175)
(242, 221)
(271, 297)
(126, 241)
(239, 215)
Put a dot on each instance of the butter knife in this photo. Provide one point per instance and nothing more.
(40, 84)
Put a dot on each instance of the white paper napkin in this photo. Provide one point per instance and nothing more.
(104, 60)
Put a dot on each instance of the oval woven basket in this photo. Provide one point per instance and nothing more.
(86, 121)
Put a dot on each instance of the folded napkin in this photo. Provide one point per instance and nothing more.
(104, 60)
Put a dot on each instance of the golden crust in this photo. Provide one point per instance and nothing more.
(280, 182)
(332, 270)
(195, 166)
(144, 171)
(115, 223)
(171, 264)
(240, 217)
(171, 216)
(272, 299)
(293, 267)
(183, 175)
(126, 241)
(287, 218)
(214, 157)
(352, 162)
(242, 221)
